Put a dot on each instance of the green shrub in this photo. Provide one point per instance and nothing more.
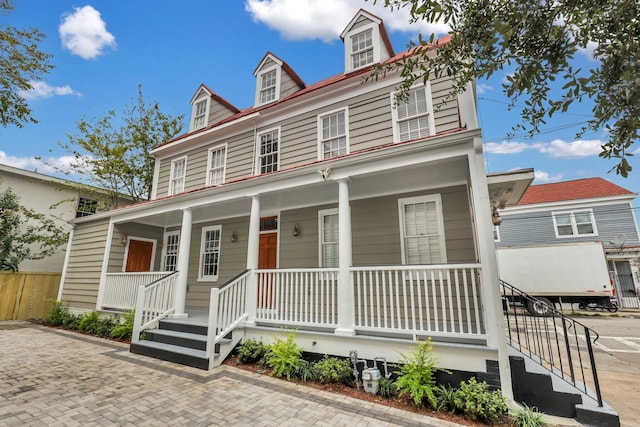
(283, 357)
(251, 351)
(334, 370)
(306, 371)
(72, 321)
(58, 314)
(475, 399)
(387, 388)
(90, 322)
(124, 329)
(416, 375)
(446, 398)
(528, 417)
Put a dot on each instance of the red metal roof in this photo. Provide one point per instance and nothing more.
(587, 188)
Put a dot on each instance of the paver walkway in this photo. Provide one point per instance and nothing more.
(51, 377)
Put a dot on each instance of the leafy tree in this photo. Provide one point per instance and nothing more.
(112, 152)
(25, 234)
(536, 43)
(20, 62)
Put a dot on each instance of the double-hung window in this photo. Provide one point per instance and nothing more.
(268, 86)
(178, 172)
(332, 133)
(574, 223)
(361, 49)
(328, 226)
(216, 165)
(86, 207)
(268, 143)
(210, 253)
(200, 115)
(171, 246)
(422, 230)
(413, 115)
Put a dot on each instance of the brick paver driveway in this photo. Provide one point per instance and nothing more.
(50, 377)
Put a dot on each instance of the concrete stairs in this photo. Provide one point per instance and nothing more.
(184, 341)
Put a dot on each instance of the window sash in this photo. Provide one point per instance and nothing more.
(178, 171)
(329, 239)
(422, 232)
(575, 223)
(268, 157)
(217, 161)
(199, 114)
(210, 253)
(86, 207)
(172, 245)
(333, 135)
(413, 116)
(362, 49)
(268, 86)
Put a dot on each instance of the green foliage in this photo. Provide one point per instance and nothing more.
(387, 388)
(251, 351)
(536, 43)
(25, 234)
(21, 63)
(58, 314)
(446, 398)
(283, 357)
(528, 417)
(112, 152)
(475, 399)
(416, 375)
(90, 322)
(124, 329)
(334, 370)
(306, 371)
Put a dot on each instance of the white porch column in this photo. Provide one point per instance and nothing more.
(345, 260)
(253, 250)
(489, 275)
(183, 263)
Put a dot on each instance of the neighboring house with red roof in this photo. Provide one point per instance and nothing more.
(590, 209)
(360, 220)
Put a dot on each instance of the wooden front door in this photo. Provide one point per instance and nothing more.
(139, 257)
(267, 259)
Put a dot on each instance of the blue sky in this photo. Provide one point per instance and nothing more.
(104, 49)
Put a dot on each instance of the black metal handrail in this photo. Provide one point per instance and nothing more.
(552, 340)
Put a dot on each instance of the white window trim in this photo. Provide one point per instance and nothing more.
(164, 247)
(422, 199)
(346, 130)
(224, 164)
(375, 40)
(496, 235)
(142, 239)
(573, 223)
(259, 84)
(394, 111)
(321, 214)
(257, 161)
(206, 113)
(201, 277)
(171, 177)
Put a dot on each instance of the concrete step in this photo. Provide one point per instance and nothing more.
(177, 338)
(183, 325)
(171, 353)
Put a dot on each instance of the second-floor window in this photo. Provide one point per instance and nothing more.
(361, 49)
(216, 165)
(171, 246)
(268, 144)
(86, 207)
(333, 134)
(574, 223)
(413, 115)
(199, 115)
(178, 172)
(268, 85)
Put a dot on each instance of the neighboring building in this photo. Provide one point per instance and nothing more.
(361, 221)
(590, 209)
(61, 199)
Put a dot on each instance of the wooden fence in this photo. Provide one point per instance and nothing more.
(27, 295)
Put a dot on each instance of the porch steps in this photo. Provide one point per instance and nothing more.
(181, 341)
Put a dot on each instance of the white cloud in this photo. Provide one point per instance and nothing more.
(326, 19)
(85, 34)
(482, 88)
(557, 149)
(49, 165)
(541, 177)
(44, 90)
(509, 147)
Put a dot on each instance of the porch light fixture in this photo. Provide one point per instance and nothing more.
(234, 236)
(296, 230)
(496, 219)
(123, 240)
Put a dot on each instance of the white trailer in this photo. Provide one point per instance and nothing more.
(556, 274)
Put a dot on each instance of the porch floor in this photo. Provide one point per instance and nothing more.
(196, 316)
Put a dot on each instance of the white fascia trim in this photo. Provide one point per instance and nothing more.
(319, 128)
(567, 205)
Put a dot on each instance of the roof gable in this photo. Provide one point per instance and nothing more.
(588, 188)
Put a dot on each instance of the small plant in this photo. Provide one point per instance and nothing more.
(251, 351)
(334, 370)
(446, 398)
(283, 357)
(58, 314)
(124, 330)
(387, 388)
(306, 371)
(528, 417)
(416, 375)
(475, 399)
(90, 322)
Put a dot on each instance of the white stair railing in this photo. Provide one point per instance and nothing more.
(154, 302)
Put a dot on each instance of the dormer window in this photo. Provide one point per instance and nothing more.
(200, 115)
(361, 49)
(268, 86)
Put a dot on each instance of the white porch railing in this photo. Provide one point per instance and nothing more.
(427, 299)
(154, 301)
(227, 309)
(300, 297)
(121, 289)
